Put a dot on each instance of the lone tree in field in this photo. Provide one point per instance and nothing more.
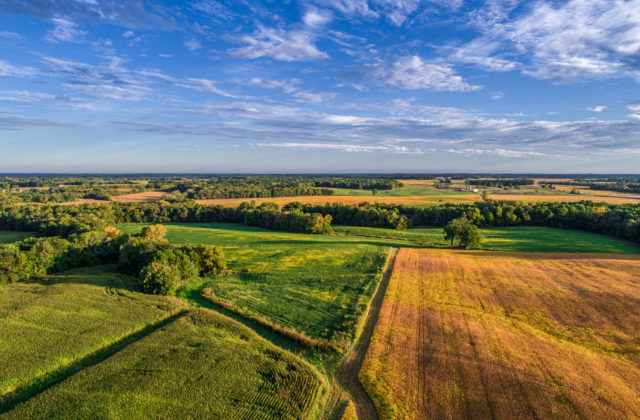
(466, 233)
(154, 232)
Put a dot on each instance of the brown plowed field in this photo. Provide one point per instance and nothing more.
(466, 335)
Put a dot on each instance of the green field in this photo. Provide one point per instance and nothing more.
(10, 236)
(47, 325)
(517, 239)
(318, 285)
(202, 365)
(406, 191)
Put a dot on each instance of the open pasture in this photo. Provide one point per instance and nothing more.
(202, 365)
(471, 334)
(10, 236)
(318, 285)
(519, 239)
(49, 324)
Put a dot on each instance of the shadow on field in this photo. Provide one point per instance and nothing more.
(27, 391)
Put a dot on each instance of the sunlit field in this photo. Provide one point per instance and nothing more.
(507, 335)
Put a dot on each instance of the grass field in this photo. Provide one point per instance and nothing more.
(519, 239)
(9, 236)
(47, 325)
(471, 334)
(318, 285)
(201, 365)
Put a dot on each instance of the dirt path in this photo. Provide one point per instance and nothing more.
(346, 374)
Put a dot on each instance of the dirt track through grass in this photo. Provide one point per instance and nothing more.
(346, 374)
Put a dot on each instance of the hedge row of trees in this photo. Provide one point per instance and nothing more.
(67, 220)
(160, 267)
(624, 186)
(359, 183)
(616, 220)
(501, 183)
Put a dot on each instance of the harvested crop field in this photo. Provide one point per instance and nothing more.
(507, 335)
(143, 197)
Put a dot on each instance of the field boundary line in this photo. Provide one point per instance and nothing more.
(39, 385)
(347, 371)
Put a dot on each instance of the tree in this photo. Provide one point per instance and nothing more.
(374, 192)
(160, 278)
(485, 195)
(467, 234)
(154, 232)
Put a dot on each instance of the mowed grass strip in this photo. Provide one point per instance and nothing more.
(317, 285)
(504, 335)
(10, 236)
(518, 239)
(49, 324)
(202, 365)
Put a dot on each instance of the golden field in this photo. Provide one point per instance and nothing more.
(472, 334)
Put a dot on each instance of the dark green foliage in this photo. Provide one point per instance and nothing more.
(500, 182)
(466, 233)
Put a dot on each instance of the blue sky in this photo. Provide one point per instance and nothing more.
(320, 86)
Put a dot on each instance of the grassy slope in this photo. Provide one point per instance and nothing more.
(316, 284)
(505, 335)
(9, 236)
(202, 365)
(519, 239)
(45, 325)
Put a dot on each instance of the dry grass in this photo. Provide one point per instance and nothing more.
(505, 335)
(143, 197)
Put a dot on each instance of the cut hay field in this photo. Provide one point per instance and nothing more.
(472, 334)
(202, 365)
(10, 236)
(519, 239)
(317, 285)
(47, 325)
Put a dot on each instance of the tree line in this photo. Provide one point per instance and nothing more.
(160, 268)
(501, 183)
(622, 220)
(63, 221)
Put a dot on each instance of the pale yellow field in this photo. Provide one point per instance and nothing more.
(484, 335)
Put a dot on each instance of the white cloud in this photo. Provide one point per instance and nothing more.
(412, 72)
(192, 44)
(7, 69)
(294, 45)
(10, 35)
(64, 30)
(316, 17)
(575, 39)
(508, 153)
(357, 148)
(598, 108)
(128, 34)
(107, 91)
(498, 94)
(23, 96)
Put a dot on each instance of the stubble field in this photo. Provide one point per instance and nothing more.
(507, 335)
